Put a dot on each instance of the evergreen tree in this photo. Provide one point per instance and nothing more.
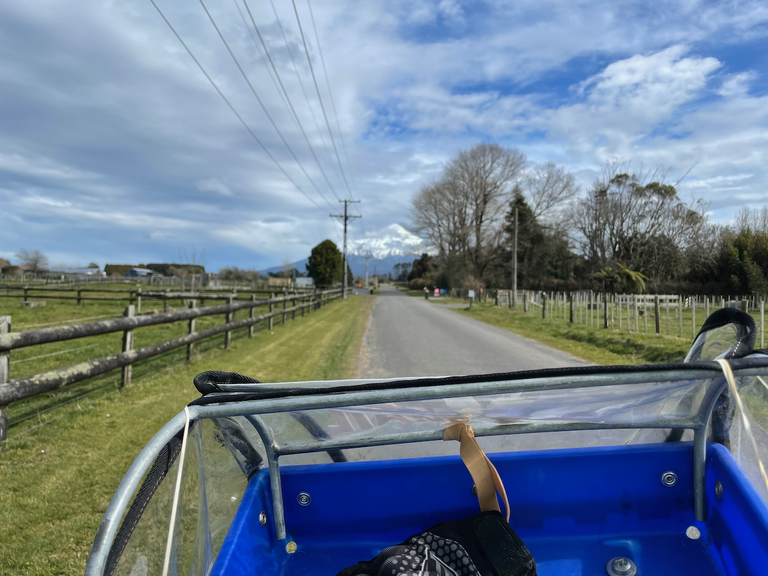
(325, 264)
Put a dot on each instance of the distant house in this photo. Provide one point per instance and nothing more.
(138, 273)
(4, 263)
(305, 282)
(279, 282)
(73, 273)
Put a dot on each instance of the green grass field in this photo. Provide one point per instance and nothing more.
(58, 479)
(596, 345)
(37, 359)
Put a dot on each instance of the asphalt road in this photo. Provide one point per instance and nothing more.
(408, 336)
(412, 337)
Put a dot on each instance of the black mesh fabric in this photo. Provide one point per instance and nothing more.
(481, 545)
(159, 470)
(208, 382)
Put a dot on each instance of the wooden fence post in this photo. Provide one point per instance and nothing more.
(745, 306)
(613, 305)
(302, 300)
(191, 345)
(666, 304)
(79, 293)
(657, 314)
(285, 305)
(762, 323)
(605, 310)
(25, 293)
(544, 305)
(570, 306)
(165, 301)
(680, 313)
(230, 318)
(251, 315)
(293, 305)
(693, 315)
(138, 300)
(707, 306)
(271, 309)
(621, 316)
(127, 347)
(5, 377)
(525, 302)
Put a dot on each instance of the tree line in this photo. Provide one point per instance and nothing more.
(628, 232)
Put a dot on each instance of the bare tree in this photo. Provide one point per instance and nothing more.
(637, 221)
(547, 188)
(33, 261)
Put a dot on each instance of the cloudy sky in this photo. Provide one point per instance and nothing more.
(114, 147)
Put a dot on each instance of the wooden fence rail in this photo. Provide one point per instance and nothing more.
(138, 295)
(26, 387)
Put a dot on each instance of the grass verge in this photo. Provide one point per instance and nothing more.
(58, 479)
(598, 345)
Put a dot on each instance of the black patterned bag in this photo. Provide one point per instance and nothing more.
(481, 545)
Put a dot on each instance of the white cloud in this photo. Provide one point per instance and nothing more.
(129, 136)
(737, 85)
(214, 185)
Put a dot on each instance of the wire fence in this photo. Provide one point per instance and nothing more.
(670, 315)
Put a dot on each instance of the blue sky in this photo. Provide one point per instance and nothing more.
(114, 148)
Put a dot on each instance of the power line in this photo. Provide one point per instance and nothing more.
(263, 60)
(263, 107)
(245, 125)
(301, 84)
(330, 93)
(320, 98)
(296, 116)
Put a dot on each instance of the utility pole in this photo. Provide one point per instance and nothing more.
(367, 256)
(347, 217)
(514, 267)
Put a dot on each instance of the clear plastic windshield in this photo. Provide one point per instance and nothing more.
(224, 455)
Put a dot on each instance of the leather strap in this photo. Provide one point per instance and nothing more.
(483, 472)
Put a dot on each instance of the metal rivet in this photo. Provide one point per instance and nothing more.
(719, 489)
(474, 489)
(669, 478)
(291, 547)
(621, 566)
(304, 498)
(263, 518)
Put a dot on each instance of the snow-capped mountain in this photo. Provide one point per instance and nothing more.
(391, 245)
(392, 240)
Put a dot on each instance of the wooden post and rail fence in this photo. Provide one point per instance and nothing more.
(135, 295)
(12, 390)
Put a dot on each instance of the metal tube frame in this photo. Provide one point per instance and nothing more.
(253, 409)
(275, 483)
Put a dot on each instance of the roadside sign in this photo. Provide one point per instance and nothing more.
(471, 294)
